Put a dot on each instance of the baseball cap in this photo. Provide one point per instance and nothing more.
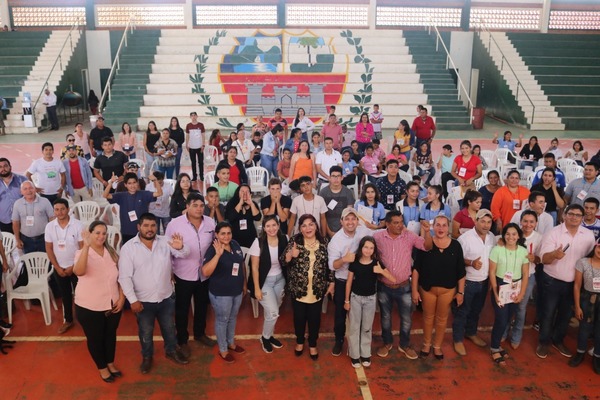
(71, 147)
(347, 211)
(482, 213)
(132, 165)
(100, 118)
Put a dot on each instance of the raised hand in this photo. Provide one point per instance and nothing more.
(219, 248)
(295, 250)
(377, 269)
(349, 257)
(176, 241)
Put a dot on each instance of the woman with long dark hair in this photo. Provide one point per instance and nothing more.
(266, 281)
(304, 123)
(183, 187)
(178, 135)
(127, 141)
(151, 136)
(309, 280)
(241, 212)
(370, 198)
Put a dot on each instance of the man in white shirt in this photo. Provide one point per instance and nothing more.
(145, 270)
(50, 173)
(561, 248)
(307, 203)
(376, 118)
(246, 149)
(340, 252)
(63, 238)
(477, 243)
(327, 159)
(537, 203)
(50, 103)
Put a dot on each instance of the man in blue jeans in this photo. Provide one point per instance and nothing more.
(269, 154)
(145, 276)
(561, 248)
(395, 246)
(477, 243)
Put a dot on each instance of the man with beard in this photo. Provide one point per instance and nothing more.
(10, 191)
(78, 174)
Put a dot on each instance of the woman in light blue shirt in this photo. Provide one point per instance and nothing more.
(506, 142)
(370, 199)
(434, 205)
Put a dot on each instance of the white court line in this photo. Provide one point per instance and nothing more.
(363, 383)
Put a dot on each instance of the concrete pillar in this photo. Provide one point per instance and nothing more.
(90, 15)
(5, 14)
(545, 16)
(372, 14)
(188, 14)
(465, 16)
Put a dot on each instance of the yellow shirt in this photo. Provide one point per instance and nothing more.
(403, 140)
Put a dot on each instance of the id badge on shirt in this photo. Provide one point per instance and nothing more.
(508, 277)
(516, 204)
(62, 245)
(400, 142)
(243, 224)
(29, 220)
(235, 270)
(582, 195)
(332, 204)
(132, 216)
(390, 199)
(462, 171)
(596, 284)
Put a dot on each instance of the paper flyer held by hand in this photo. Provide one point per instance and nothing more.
(508, 293)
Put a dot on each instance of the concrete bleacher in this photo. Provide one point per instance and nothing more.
(567, 66)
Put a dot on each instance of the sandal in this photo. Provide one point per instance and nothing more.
(498, 358)
(423, 353)
(504, 354)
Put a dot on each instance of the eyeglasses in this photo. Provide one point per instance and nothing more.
(70, 140)
(335, 176)
(575, 215)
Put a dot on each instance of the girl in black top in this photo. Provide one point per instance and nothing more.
(241, 212)
(531, 154)
(183, 187)
(361, 290)
(177, 134)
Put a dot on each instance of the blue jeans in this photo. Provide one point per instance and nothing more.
(149, 160)
(272, 292)
(517, 330)
(554, 215)
(407, 155)
(466, 317)
(164, 312)
(588, 327)
(558, 300)
(32, 244)
(164, 221)
(528, 163)
(430, 171)
(168, 171)
(502, 317)
(402, 297)
(270, 163)
(178, 160)
(226, 311)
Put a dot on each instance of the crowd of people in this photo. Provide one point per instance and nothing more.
(398, 242)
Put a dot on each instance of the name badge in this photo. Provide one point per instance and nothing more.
(375, 167)
(332, 204)
(531, 156)
(596, 284)
(243, 224)
(29, 220)
(516, 204)
(347, 170)
(462, 171)
(390, 199)
(400, 142)
(508, 277)
(582, 195)
(235, 270)
(62, 245)
(132, 216)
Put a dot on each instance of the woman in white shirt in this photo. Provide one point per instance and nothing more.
(304, 123)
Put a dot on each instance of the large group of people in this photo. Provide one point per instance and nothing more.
(311, 237)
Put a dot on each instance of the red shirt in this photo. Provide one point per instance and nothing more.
(464, 219)
(76, 178)
(234, 174)
(470, 167)
(422, 128)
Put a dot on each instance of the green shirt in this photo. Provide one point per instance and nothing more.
(509, 261)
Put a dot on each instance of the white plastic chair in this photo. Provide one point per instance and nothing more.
(575, 169)
(87, 211)
(489, 157)
(563, 163)
(257, 178)
(171, 182)
(9, 244)
(111, 216)
(38, 271)
(209, 180)
(405, 176)
(253, 301)
(211, 158)
(114, 237)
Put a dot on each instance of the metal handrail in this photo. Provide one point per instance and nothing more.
(58, 59)
(116, 64)
(491, 39)
(449, 59)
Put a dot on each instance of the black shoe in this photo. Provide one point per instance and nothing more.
(337, 348)
(578, 359)
(176, 357)
(205, 340)
(266, 345)
(146, 365)
(596, 364)
(314, 357)
(116, 374)
(109, 379)
(275, 343)
(185, 351)
(298, 353)
(5, 325)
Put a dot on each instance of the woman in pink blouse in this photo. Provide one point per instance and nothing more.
(99, 298)
(364, 132)
(127, 140)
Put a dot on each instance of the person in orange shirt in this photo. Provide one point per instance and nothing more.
(508, 199)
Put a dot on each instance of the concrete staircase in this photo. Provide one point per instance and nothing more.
(545, 116)
(36, 78)
(242, 73)
(129, 84)
(449, 112)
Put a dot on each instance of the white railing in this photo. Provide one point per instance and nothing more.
(78, 22)
(504, 61)
(116, 65)
(450, 63)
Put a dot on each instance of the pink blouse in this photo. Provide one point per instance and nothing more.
(360, 128)
(129, 139)
(97, 289)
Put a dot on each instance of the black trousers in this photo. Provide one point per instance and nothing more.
(197, 160)
(307, 313)
(52, 117)
(66, 286)
(6, 227)
(446, 177)
(184, 291)
(339, 322)
(101, 333)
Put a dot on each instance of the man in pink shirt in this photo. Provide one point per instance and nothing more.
(332, 129)
(424, 127)
(395, 245)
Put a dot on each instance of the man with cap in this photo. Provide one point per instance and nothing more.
(341, 251)
(97, 134)
(78, 175)
(477, 243)
(131, 167)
